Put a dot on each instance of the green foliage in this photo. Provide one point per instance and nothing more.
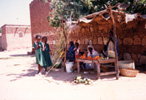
(62, 10)
(0, 30)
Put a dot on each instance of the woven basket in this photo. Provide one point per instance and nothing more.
(129, 72)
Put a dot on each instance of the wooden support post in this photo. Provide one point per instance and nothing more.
(78, 67)
(65, 46)
(115, 41)
(98, 70)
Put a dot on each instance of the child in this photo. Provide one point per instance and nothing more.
(37, 47)
(46, 53)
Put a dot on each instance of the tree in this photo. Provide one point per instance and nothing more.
(62, 10)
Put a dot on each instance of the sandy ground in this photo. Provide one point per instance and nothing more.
(18, 81)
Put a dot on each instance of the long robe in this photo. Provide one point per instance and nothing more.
(39, 55)
(71, 54)
(47, 57)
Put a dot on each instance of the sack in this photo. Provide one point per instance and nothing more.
(111, 54)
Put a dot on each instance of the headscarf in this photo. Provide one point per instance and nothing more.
(94, 52)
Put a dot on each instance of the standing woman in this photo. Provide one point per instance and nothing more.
(70, 55)
(37, 47)
(46, 53)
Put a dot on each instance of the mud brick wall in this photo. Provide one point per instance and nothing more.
(135, 45)
(0, 42)
(39, 12)
(15, 37)
(131, 42)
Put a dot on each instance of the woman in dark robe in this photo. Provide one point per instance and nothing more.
(71, 53)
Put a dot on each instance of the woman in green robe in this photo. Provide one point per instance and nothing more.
(46, 53)
(37, 47)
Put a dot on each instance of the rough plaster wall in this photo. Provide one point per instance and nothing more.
(0, 42)
(16, 42)
(16, 37)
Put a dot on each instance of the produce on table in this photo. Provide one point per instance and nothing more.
(102, 58)
(83, 57)
(96, 58)
(90, 58)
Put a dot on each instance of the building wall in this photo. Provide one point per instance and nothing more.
(0, 42)
(131, 42)
(3, 38)
(16, 37)
(39, 12)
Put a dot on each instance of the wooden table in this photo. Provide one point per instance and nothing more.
(99, 62)
(106, 61)
(84, 61)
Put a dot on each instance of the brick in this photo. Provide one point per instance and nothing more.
(137, 40)
(100, 41)
(39, 12)
(144, 41)
(128, 41)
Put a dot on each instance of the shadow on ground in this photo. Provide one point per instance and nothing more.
(22, 55)
(57, 75)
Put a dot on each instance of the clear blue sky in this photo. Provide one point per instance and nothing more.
(14, 12)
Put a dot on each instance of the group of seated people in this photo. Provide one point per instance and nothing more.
(74, 52)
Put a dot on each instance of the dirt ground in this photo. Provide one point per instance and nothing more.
(18, 81)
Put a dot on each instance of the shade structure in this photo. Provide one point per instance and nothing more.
(91, 26)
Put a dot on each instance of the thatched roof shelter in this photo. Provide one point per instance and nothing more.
(97, 23)
(130, 30)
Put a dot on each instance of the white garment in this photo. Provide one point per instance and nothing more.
(94, 53)
(77, 50)
(111, 46)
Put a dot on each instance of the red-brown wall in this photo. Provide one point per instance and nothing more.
(39, 12)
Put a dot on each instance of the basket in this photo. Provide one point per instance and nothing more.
(129, 72)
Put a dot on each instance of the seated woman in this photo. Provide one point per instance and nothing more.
(92, 53)
(70, 55)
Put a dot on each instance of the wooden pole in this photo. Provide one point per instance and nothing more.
(115, 41)
(65, 46)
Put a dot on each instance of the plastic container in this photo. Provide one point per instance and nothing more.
(69, 66)
(126, 64)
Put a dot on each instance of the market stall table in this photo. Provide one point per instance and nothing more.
(107, 61)
(84, 61)
(99, 62)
